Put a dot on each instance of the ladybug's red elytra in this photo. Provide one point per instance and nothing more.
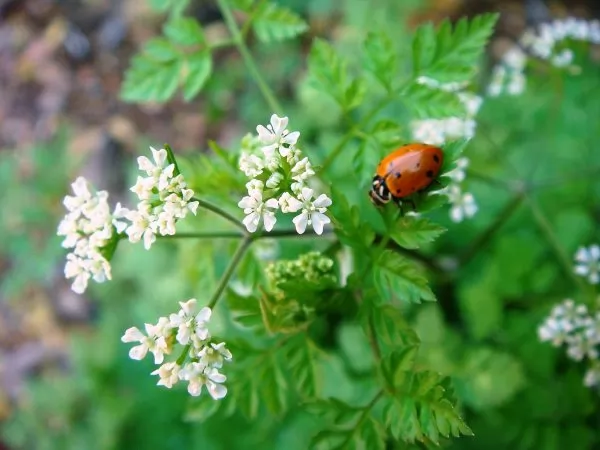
(408, 169)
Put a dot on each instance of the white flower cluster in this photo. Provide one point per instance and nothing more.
(164, 199)
(202, 359)
(279, 175)
(572, 325)
(439, 131)
(88, 228)
(463, 204)
(508, 76)
(587, 263)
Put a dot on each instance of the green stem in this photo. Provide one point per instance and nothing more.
(548, 232)
(235, 260)
(479, 242)
(367, 409)
(183, 355)
(275, 234)
(221, 212)
(238, 39)
(359, 126)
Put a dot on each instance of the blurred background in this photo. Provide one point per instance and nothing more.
(65, 379)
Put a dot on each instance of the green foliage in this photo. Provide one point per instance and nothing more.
(451, 53)
(180, 59)
(396, 277)
(344, 355)
(330, 74)
(273, 23)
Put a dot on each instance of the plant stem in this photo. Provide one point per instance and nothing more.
(546, 229)
(275, 234)
(221, 212)
(478, 243)
(367, 409)
(358, 127)
(238, 39)
(235, 260)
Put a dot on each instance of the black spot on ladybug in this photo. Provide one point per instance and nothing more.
(398, 191)
(418, 165)
(436, 159)
(429, 174)
(397, 174)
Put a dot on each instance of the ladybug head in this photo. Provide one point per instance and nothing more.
(379, 193)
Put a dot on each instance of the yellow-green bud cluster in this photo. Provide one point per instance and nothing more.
(311, 267)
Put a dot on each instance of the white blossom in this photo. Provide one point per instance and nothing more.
(463, 204)
(87, 228)
(588, 263)
(200, 359)
(255, 210)
(189, 322)
(592, 376)
(313, 212)
(164, 199)
(276, 136)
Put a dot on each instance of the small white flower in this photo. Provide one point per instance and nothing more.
(274, 180)
(516, 85)
(198, 375)
(592, 376)
(515, 58)
(289, 203)
(251, 165)
(255, 210)
(588, 263)
(152, 341)
(463, 205)
(255, 185)
(168, 374)
(302, 170)
(313, 213)
(458, 173)
(189, 323)
(214, 355)
(276, 136)
(428, 131)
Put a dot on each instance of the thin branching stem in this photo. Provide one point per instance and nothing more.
(366, 411)
(480, 241)
(237, 37)
(221, 212)
(235, 260)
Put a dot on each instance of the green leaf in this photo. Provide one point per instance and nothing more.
(274, 23)
(398, 277)
(381, 59)
(412, 232)
(451, 54)
(429, 103)
(302, 357)
(197, 70)
(349, 226)
(421, 408)
(161, 50)
(148, 80)
(245, 309)
(391, 328)
(329, 72)
(176, 6)
(184, 31)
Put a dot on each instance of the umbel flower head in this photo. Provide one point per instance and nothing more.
(202, 358)
(279, 176)
(88, 228)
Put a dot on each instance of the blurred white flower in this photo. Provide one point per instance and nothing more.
(588, 263)
(189, 322)
(592, 376)
(88, 228)
(463, 204)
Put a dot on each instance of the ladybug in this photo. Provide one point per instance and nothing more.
(408, 169)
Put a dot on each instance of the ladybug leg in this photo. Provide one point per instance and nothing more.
(398, 203)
